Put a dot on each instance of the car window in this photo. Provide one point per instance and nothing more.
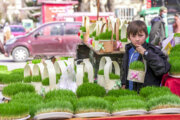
(17, 29)
(71, 29)
(51, 30)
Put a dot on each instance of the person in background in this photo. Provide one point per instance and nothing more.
(176, 25)
(6, 32)
(2, 49)
(156, 62)
(157, 33)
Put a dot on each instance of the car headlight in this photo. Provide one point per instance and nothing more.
(11, 41)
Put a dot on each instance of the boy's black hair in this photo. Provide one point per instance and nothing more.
(135, 27)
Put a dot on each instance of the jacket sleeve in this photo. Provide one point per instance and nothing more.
(157, 61)
(1, 48)
(154, 36)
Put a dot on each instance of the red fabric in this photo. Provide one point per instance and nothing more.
(172, 83)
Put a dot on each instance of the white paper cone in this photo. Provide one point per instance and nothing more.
(79, 74)
(28, 70)
(89, 69)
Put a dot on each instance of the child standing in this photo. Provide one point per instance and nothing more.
(156, 61)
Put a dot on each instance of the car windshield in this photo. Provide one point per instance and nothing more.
(17, 29)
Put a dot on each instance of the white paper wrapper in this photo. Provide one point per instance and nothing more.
(79, 74)
(89, 69)
(92, 114)
(136, 76)
(124, 31)
(130, 112)
(53, 115)
(28, 70)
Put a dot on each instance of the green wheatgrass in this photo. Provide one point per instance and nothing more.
(3, 75)
(166, 101)
(3, 68)
(13, 78)
(36, 61)
(83, 29)
(101, 72)
(124, 40)
(93, 34)
(18, 71)
(52, 106)
(176, 34)
(113, 76)
(176, 48)
(11, 111)
(129, 104)
(137, 65)
(96, 38)
(147, 91)
(105, 35)
(92, 104)
(15, 88)
(174, 54)
(27, 79)
(36, 78)
(110, 99)
(45, 82)
(85, 78)
(59, 93)
(90, 89)
(175, 65)
(121, 92)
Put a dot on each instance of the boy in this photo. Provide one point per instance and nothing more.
(157, 63)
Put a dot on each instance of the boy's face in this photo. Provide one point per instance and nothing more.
(138, 39)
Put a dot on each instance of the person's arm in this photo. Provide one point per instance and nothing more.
(157, 61)
(2, 48)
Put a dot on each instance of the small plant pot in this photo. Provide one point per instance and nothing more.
(177, 40)
(85, 37)
(108, 46)
(136, 76)
(37, 86)
(112, 84)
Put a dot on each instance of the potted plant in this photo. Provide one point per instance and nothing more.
(136, 72)
(95, 43)
(90, 89)
(92, 107)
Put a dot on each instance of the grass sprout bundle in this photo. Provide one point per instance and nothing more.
(90, 89)
(58, 76)
(176, 34)
(52, 106)
(15, 88)
(27, 79)
(83, 29)
(30, 99)
(85, 78)
(11, 111)
(137, 65)
(3, 75)
(113, 76)
(176, 48)
(3, 68)
(131, 104)
(101, 72)
(13, 78)
(36, 61)
(121, 92)
(92, 104)
(130, 97)
(147, 91)
(59, 93)
(124, 40)
(36, 78)
(174, 54)
(166, 101)
(110, 99)
(18, 71)
(175, 65)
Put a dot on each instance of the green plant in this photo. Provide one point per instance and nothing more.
(158, 94)
(27, 79)
(124, 40)
(101, 72)
(105, 35)
(36, 61)
(176, 48)
(29, 99)
(85, 78)
(166, 101)
(11, 111)
(92, 104)
(90, 89)
(45, 82)
(58, 76)
(130, 97)
(4, 75)
(18, 71)
(131, 104)
(52, 106)
(147, 91)
(13, 78)
(96, 38)
(3, 68)
(176, 34)
(59, 93)
(15, 88)
(121, 92)
(137, 65)
(175, 65)
(174, 54)
(83, 29)
(114, 36)
(113, 76)
(36, 78)
(111, 99)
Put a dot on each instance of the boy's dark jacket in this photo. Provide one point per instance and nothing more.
(157, 65)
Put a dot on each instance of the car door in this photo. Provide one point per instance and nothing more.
(71, 38)
(48, 40)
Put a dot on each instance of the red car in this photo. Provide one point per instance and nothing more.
(50, 39)
(17, 30)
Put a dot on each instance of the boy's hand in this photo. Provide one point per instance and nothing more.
(140, 49)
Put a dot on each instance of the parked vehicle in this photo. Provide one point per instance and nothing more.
(17, 30)
(50, 39)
